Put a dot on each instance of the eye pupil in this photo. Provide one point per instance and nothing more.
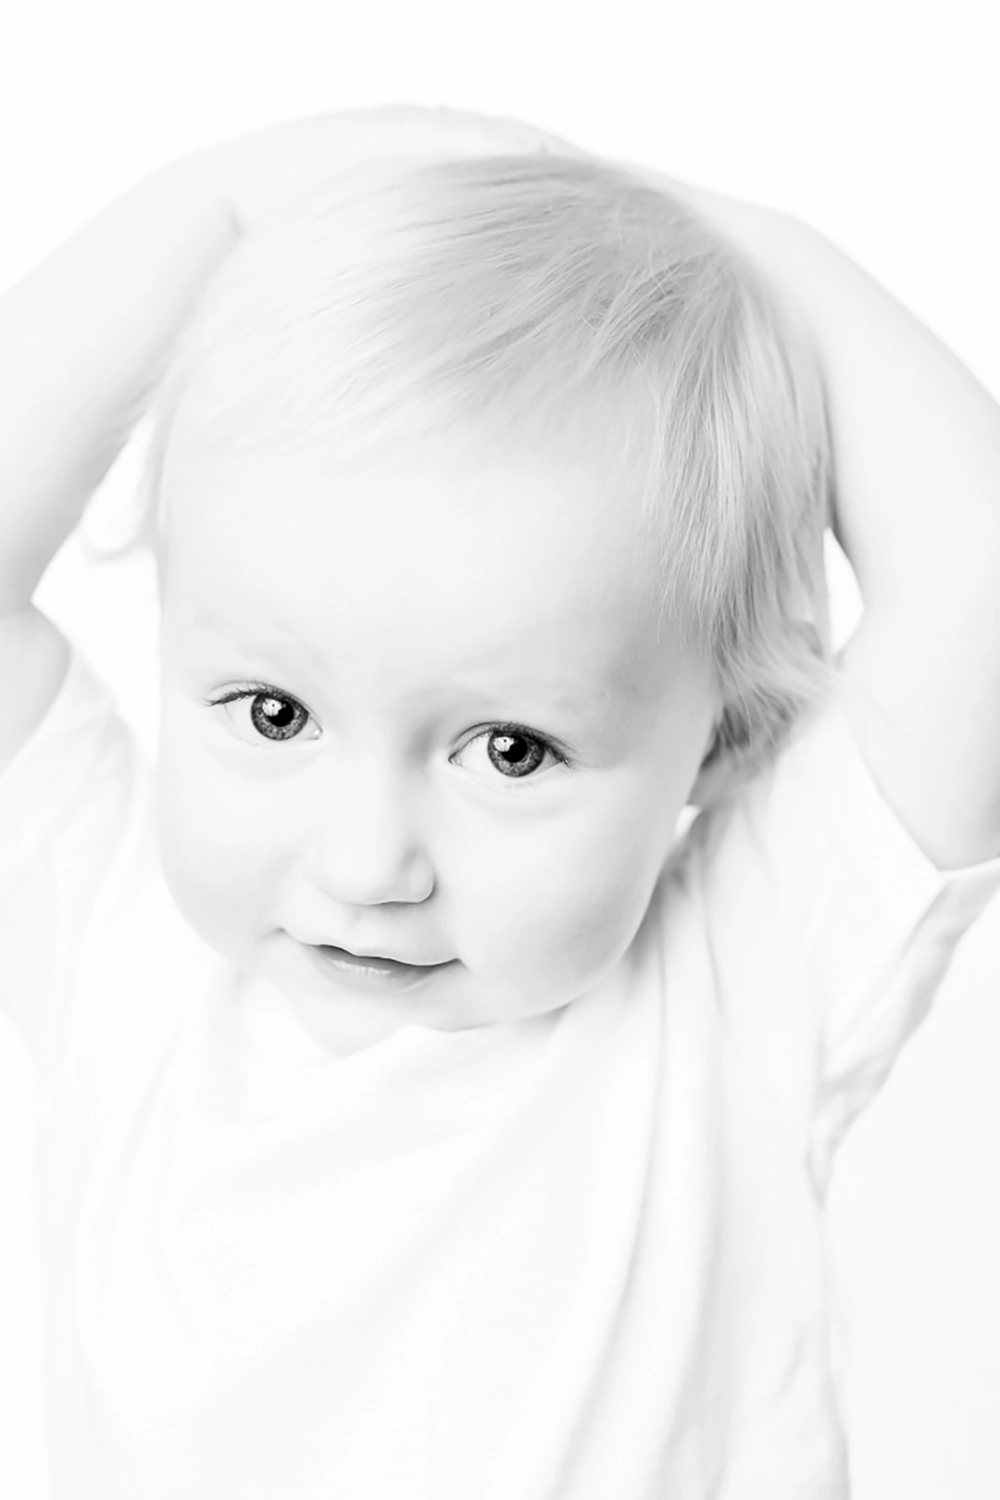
(513, 753)
(276, 718)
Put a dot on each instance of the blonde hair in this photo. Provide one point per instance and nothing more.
(552, 307)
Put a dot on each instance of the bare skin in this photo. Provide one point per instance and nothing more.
(403, 622)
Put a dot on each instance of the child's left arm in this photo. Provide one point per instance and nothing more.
(916, 444)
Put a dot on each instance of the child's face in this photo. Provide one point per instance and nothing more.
(460, 742)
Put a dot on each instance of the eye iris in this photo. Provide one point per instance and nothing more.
(276, 718)
(514, 754)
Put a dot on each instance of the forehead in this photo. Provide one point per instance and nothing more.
(441, 563)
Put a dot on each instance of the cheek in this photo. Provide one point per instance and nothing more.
(586, 916)
(214, 859)
(564, 899)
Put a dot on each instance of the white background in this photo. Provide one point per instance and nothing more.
(877, 121)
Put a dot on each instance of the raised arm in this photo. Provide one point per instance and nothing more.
(82, 341)
(917, 453)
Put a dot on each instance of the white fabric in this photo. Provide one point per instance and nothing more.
(579, 1256)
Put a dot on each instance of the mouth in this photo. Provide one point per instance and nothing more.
(372, 971)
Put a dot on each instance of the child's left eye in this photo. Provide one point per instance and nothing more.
(512, 750)
(274, 716)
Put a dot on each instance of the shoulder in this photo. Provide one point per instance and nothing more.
(819, 908)
(814, 928)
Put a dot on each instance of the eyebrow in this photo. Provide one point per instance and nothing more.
(587, 703)
(206, 623)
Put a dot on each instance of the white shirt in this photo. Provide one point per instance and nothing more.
(579, 1256)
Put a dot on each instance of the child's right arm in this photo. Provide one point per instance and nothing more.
(82, 341)
(85, 337)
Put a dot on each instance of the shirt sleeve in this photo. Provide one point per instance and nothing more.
(829, 928)
(65, 805)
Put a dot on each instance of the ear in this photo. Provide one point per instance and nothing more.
(719, 773)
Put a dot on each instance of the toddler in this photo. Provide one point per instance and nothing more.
(433, 1103)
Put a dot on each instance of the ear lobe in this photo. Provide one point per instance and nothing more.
(718, 774)
(709, 785)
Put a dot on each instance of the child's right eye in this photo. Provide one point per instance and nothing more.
(272, 715)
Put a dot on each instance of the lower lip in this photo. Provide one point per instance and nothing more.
(381, 975)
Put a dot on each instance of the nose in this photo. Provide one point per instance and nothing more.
(364, 846)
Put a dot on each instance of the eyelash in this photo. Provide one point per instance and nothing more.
(251, 690)
(257, 690)
(260, 689)
(518, 731)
